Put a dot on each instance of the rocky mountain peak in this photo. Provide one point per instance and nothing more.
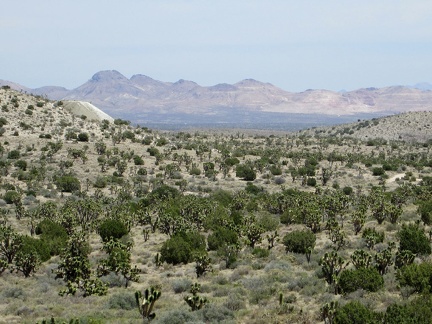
(111, 75)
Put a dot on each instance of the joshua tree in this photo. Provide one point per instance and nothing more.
(195, 302)
(146, 303)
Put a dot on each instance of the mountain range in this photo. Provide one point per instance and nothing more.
(143, 99)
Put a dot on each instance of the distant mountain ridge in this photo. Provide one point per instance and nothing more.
(141, 98)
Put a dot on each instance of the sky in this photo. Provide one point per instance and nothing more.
(295, 45)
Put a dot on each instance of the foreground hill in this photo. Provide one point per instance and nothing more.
(229, 227)
(144, 99)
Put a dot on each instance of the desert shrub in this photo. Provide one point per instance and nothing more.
(11, 196)
(275, 170)
(153, 151)
(235, 301)
(267, 221)
(21, 164)
(138, 160)
(68, 183)
(222, 236)
(299, 241)
(128, 134)
(347, 190)
(417, 276)
(413, 238)
(252, 189)
(41, 247)
(418, 310)
(161, 141)
(14, 155)
(367, 279)
(142, 172)
(119, 122)
(311, 182)
(100, 182)
(425, 211)
(195, 171)
(163, 192)
(14, 292)
(112, 228)
(182, 247)
(377, 171)
(181, 285)
(113, 280)
(3, 121)
(260, 252)
(246, 172)
(355, 312)
(54, 235)
(83, 137)
(214, 313)
(122, 301)
(177, 316)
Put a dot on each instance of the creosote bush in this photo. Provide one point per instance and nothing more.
(367, 279)
(413, 238)
(112, 228)
(299, 241)
(182, 247)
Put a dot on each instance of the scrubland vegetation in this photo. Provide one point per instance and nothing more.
(208, 227)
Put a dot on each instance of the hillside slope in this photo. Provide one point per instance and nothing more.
(409, 127)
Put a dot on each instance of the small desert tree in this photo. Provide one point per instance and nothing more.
(300, 242)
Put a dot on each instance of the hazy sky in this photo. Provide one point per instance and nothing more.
(295, 45)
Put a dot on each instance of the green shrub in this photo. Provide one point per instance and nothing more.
(68, 183)
(260, 252)
(3, 121)
(417, 276)
(153, 151)
(425, 211)
(367, 279)
(195, 171)
(182, 247)
(311, 182)
(112, 228)
(100, 182)
(378, 171)
(355, 312)
(41, 247)
(418, 310)
(246, 172)
(53, 234)
(138, 160)
(11, 196)
(347, 190)
(299, 241)
(163, 192)
(83, 137)
(220, 237)
(413, 238)
(14, 155)
(21, 164)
